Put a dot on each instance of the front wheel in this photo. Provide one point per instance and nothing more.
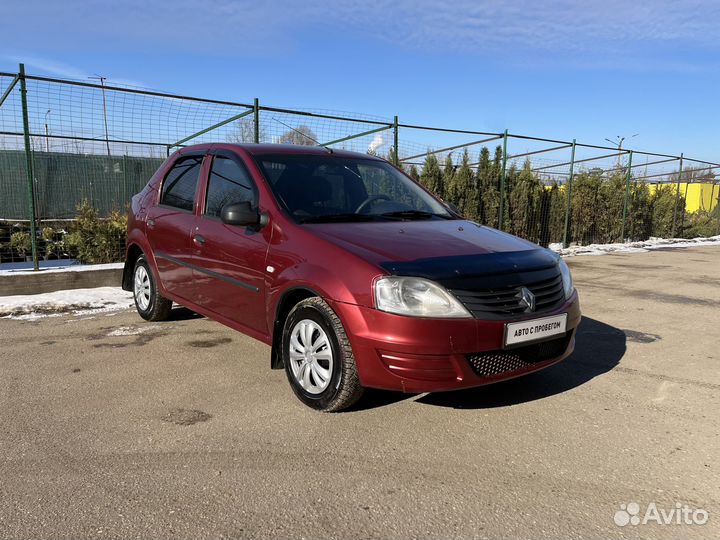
(149, 303)
(319, 361)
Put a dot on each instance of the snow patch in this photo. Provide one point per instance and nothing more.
(69, 268)
(131, 330)
(80, 302)
(635, 247)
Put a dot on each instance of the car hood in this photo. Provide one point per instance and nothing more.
(435, 249)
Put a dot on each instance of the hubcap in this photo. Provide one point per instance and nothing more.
(311, 358)
(142, 287)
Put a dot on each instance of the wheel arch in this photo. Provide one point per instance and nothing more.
(133, 252)
(287, 301)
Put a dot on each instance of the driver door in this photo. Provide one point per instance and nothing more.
(229, 259)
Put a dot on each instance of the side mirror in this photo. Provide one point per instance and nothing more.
(241, 213)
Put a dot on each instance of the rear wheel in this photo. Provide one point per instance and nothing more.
(149, 303)
(318, 359)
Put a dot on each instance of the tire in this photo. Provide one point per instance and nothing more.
(315, 318)
(149, 303)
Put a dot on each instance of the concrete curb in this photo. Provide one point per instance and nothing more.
(45, 281)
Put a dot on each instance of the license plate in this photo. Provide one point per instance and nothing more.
(535, 329)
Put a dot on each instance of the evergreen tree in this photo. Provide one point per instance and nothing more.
(413, 172)
(664, 201)
(464, 189)
(511, 178)
(584, 206)
(701, 223)
(497, 163)
(488, 193)
(431, 177)
(551, 219)
(610, 209)
(524, 203)
(639, 213)
(448, 176)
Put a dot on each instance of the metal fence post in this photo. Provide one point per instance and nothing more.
(677, 197)
(29, 167)
(684, 210)
(396, 154)
(627, 196)
(256, 120)
(501, 209)
(126, 182)
(566, 232)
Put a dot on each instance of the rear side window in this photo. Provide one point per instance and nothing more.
(229, 183)
(181, 183)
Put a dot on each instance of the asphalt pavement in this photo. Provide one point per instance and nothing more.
(115, 427)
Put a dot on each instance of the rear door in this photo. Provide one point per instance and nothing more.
(230, 260)
(171, 222)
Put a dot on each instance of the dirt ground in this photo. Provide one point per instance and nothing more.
(179, 429)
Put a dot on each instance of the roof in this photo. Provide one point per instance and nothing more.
(298, 149)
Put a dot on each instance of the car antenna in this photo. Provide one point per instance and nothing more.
(330, 150)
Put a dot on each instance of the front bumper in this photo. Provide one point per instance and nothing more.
(410, 354)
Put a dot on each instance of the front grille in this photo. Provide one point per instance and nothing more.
(493, 363)
(499, 297)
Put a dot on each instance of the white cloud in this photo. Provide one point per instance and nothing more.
(44, 66)
(550, 24)
(242, 27)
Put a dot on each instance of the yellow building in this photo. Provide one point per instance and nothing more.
(698, 196)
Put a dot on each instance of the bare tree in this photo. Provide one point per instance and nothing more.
(300, 135)
(244, 131)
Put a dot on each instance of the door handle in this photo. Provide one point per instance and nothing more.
(199, 239)
(151, 223)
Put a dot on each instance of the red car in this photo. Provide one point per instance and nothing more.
(355, 275)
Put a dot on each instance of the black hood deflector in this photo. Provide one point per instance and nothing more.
(449, 269)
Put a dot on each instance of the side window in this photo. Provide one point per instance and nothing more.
(181, 183)
(228, 183)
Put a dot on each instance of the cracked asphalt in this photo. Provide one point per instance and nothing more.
(179, 429)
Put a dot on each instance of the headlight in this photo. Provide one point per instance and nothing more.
(416, 297)
(566, 277)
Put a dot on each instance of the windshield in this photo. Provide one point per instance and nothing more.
(317, 189)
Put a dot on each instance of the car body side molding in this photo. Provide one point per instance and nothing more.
(161, 255)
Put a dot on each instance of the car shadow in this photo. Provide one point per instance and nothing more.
(373, 398)
(598, 349)
(183, 314)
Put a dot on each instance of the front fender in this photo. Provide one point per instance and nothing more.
(319, 280)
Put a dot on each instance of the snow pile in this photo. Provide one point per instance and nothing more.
(635, 247)
(69, 268)
(78, 301)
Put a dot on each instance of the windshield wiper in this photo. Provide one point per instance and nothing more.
(413, 214)
(340, 218)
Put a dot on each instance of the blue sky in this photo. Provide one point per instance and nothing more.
(560, 69)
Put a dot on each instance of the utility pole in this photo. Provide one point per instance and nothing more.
(102, 85)
(619, 142)
(47, 132)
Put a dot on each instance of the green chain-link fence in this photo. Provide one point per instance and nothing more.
(79, 149)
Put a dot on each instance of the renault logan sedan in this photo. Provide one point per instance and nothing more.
(355, 275)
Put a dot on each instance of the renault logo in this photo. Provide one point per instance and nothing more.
(526, 298)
